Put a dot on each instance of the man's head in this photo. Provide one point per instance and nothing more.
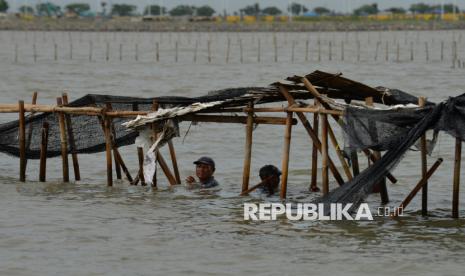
(271, 173)
(204, 168)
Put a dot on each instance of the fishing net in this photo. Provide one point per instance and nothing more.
(394, 131)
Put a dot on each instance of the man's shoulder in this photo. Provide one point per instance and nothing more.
(210, 183)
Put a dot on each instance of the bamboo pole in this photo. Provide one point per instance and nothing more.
(64, 145)
(286, 150)
(314, 176)
(22, 143)
(457, 163)
(253, 188)
(424, 164)
(29, 134)
(174, 162)
(109, 107)
(324, 153)
(140, 157)
(155, 106)
(108, 148)
(166, 170)
(311, 133)
(72, 144)
(417, 188)
(248, 150)
(43, 152)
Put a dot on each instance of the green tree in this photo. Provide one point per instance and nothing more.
(396, 10)
(420, 8)
(154, 10)
(3, 6)
(205, 11)
(182, 10)
(271, 11)
(26, 9)
(48, 9)
(123, 9)
(448, 8)
(296, 8)
(251, 10)
(77, 8)
(367, 9)
(321, 10)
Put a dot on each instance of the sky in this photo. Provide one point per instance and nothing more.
(235, 5)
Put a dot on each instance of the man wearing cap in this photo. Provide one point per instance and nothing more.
(204, 169)
(272, 176)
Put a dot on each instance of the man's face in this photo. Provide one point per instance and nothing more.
(204, 171)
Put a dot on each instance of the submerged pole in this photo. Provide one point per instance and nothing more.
(455, 195)
(69, 126)
(285, 161)
(424, 191)
(314, 176)
(324, 153)
(248, 149)
(140, 156)
(64, 144)
(22, 143)
(108, 147)
(43, 152)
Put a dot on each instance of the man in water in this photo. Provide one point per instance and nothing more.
(204, 169)
(272, 176)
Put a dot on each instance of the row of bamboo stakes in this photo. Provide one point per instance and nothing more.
(321, 110)
(330, 51)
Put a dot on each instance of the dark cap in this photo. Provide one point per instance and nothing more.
(269, 170)
(205, 160)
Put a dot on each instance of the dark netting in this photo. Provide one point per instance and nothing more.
(87, 130)
(369, 129)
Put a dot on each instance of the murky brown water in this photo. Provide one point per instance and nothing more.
(86, 228)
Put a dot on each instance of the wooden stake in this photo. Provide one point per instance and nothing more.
(457, 163)
(424, 192)
(286, 150)
(248, 150)
(22, 143)
(311, 133)
(64, 145)
(415, 190)
(108, 147)
(109, 107)
(174, 162)
(324, 153)
(140, 156)
(166, 170)
(314, 177)
(72, 144)
(43, 152)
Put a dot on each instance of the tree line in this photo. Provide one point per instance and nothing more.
(49, 9)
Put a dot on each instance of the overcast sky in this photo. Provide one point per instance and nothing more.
(234, 5)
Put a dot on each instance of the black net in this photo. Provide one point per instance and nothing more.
(394, 131)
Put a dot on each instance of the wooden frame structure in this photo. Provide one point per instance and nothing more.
(321, 140)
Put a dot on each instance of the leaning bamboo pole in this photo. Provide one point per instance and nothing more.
(314, 176)
(417, 187)
(108, 148)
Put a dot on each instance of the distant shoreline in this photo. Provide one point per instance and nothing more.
(99, 25)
